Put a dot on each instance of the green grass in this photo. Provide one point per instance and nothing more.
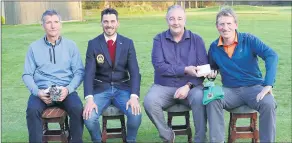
(273, 27)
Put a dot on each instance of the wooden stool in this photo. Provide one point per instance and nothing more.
(251, 131)
(55, 115)
(112, 113)
(180, 110)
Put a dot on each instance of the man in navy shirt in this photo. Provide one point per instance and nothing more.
(175, 56)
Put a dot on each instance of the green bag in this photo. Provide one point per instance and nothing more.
(212, 92)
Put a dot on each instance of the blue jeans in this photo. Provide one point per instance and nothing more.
(72, 105)
(118, 98)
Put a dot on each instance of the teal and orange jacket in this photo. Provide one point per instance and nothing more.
(242, 69)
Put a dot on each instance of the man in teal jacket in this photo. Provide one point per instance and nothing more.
(53, 60)
(235, 55)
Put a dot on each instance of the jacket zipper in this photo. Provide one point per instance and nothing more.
(54, 54)
(50, 55)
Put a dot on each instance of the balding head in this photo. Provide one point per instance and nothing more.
(174, 7)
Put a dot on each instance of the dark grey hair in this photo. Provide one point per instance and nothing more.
(226, 11)
(174, 7)
(50, 12)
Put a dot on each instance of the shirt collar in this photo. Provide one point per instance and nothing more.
(114, 38)
(220, 42)
(186, 35)
(58, 41)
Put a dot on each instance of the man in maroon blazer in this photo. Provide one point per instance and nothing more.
(111, 77)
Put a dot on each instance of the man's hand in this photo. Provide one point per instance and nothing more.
(44, 97)
(64, 93)
(90, 105)
(191, 70)
(213, 74)
(264, 92)
(134, 103)
(182, 92)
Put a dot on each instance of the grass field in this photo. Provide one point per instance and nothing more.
(271, 24)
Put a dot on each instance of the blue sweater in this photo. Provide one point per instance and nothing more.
(47, 65)
(242, 68)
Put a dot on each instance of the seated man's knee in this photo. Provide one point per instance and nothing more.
(134, 120)
(214, 104)
(77, 109)
(152, 96)
(31, 111)
(148, 102)
(196, 96)
(268, 104)
(92, 121)
(35, 106)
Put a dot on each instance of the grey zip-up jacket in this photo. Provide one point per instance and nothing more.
(47, 64)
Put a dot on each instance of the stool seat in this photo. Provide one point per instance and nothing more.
(178, 108)
(112, 111)
(242, 109)
(53, 112)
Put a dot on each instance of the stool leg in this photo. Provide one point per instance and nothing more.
(229, 127)
(233, 128)
(62, 127)
(64, 139)
(124, 134)
(251, 126)
(169, 119)
(189, 130)
(63, 132)
(45, 129)
(67, 129)
(255, 130)
(104, 133)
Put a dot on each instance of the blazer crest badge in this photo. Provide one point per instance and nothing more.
(100, 59)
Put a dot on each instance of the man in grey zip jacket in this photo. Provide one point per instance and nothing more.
(53, 60)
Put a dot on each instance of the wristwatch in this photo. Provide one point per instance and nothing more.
(191, 85)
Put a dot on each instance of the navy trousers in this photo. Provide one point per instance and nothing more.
(71, 104)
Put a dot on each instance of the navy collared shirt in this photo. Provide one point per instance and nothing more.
(169, 58)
